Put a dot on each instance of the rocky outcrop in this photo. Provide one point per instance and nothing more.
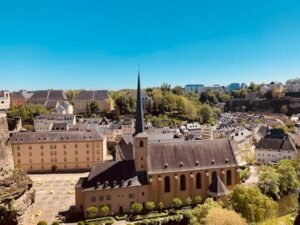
(16, 192)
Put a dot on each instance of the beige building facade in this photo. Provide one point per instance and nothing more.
(57, 151)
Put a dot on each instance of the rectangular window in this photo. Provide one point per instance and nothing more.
(108, 197)
(131, 196)
(93, 199)
(101, 198)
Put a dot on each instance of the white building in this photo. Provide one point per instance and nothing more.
(64, 107)
(45, 122)
(127, 127)
(207, 132)
(273, 149)
(195, 129)
(292, 85)
(4, 100)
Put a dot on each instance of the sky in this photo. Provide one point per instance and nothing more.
(94, 44)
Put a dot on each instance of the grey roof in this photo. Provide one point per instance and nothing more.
(139, 118)
(93, 95)
(191, 155)
(125, 148)
(276, 144)
(48, 136)
(56, 116)
(114, 174)
(217, 188)
(48, 98)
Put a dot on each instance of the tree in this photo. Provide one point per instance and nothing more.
(251, 203)
(137, 207)
(178, 90)
(42, 222)
(94, 107)
(288, 181)
(188, 201)
(219, 216)
(88, 111)
(277, 92)
(71, 95)
(105, 210)
(80, 223)
(268, 182)
(176, 202)
(201, 211)
(206, 114)
(91, 212)
(198, 199)
(149, 206)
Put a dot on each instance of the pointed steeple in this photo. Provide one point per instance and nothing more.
(139, 118)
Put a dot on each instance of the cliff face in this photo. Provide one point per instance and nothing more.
(16, 192)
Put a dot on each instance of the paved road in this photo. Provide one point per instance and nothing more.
(54, 194)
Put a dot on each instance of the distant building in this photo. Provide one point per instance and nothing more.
(64, 107)
(85, 98)
(4, 100)
(292, 85)
(194, 88)
(273, 148)
(47, 98)
(127, 127)
(20, 98)
(57, 151)
(195, 129)
(207, 132)
(215, 88)
(233, 86)
(146, 99)
(44, 122)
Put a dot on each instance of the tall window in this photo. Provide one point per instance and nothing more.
(228, 177)
(182, 183)
(141, 144)
(167, 184)
(198, 181)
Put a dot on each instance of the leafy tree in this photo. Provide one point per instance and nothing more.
(80, 223)
(27, 112)
(201, 211)
(284, 109)
(268, 182)
(188, 201)
(137, 207)
(91, 212)
(288, 181)
(94, 107)
(198, 199)
(206, 114)
(178, 90)
(71, 95)
(254, 87)
(176, 202)
(251, 203)
(277, 92)
(88, 111)
(149, 206)
(105, 210)
(219, 216)
(165, 87)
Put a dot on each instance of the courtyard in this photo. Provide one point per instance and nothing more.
(55, 194)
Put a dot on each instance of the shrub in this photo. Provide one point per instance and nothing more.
(198, 199)
(176, 202)
(91, 212)
(188, 201)
(80, 223)
(105, 210)
(149, 206)
(137, 207)
(42, 222)
(161, 205)
(56, 223)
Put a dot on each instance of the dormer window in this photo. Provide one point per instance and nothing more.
(166, 165)
(197, 162)
(212, 162)
(181, 164)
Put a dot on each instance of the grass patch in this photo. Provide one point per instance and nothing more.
(100, 221)
(150, 216)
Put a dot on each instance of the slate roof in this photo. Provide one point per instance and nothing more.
(47, 98)
(93, 95)
(217, 188)
(114, 174)
(125, 148)
(276, 144)
(190, 155)
(46, 137)
(55, 116)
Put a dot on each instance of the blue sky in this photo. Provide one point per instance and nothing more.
(73, 44)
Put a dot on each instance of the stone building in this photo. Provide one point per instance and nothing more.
(4, 100)
(61, 151)
(158, 171)
(85, 98)
(45, 122)
(47, 98)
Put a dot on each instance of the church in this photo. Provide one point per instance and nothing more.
(158, 171)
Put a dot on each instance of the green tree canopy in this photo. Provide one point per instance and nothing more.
(268, 182)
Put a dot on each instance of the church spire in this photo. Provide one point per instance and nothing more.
(139, 118)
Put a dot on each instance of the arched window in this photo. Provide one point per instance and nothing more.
(213, 176)
(167, 184)
(141, 144)
(228, 177)
(198, 181)
(182, 183)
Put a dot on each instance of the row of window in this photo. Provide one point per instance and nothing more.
(55, 159)
(108, 197)
(65, 166)
(198, 184)
(55, 153)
